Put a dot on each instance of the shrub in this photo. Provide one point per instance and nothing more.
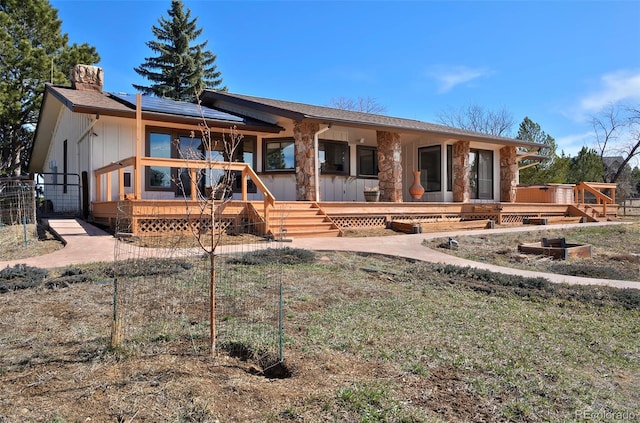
(274, 255)
(21, 276)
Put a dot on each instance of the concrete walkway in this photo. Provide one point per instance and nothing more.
(86, 244)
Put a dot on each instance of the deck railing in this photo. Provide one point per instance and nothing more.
(595, 188)
(105, 174)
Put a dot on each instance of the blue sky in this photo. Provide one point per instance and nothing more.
(557, 62)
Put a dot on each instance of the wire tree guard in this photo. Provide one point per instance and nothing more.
(187, 290)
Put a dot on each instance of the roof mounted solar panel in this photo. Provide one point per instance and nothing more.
(180, 108)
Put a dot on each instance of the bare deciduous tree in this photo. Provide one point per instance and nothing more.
(360, 104)
(476, 118)
(617, 133)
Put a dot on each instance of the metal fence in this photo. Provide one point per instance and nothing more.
(17, 201)
(59, 194)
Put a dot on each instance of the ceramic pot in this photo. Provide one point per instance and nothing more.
(416, 190)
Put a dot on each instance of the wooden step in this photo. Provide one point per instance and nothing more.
(300, 220)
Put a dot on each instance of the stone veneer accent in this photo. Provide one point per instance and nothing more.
(508, 174)
(86, 78)
(305, 182)
(461, 182)
(389, 166)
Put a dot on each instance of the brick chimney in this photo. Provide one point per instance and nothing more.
(86, 78)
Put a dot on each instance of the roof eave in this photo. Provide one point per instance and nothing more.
(165, 117)
(261, 107)
(443, 133)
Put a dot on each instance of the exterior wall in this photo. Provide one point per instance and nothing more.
(332, 188)
(70, 126)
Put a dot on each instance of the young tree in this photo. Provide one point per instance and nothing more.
(33, 50)
(181, 69)
(475, 118)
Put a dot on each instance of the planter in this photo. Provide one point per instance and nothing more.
(372, 196)
(416, 190)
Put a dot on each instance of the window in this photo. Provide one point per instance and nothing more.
(481, 177)
(429, 163)
(333, 157)
(159, 145)
(367, 161)
(279, 155)
(245, 152)
(449, 167)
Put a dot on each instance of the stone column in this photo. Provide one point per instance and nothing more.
(389, 166)
(461, 182)
(508, 174)
(305, 164)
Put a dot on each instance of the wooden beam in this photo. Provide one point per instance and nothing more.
(137, 168)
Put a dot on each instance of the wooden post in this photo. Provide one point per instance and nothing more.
(98, 187)
(137, 168)
(194, 185)
(266, 215)
(121, 184)
(244, 184)
(116, 324)
(108, 187)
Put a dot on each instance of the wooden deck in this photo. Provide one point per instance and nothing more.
(295, 219)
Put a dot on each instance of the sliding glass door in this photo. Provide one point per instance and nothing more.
(481, 177)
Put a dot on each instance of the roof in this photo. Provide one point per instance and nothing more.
(299, 111)
(124, 105)
(153, 108)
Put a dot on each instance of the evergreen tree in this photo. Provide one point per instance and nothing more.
(33, 50)
(180, 70)
(635, 179)
(545, 171)
(586, 167)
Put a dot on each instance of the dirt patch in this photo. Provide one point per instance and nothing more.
(616, 251)
(19, 241)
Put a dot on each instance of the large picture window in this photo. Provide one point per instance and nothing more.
(279, 155)
(168, 143)
(367, 161)
(333, 157)
(430, 165)
(481, 177)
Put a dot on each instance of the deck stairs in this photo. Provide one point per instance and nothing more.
(301, 219)
(588, 211)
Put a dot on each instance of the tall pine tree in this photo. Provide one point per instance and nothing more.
(180, 70)
(33, 50)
